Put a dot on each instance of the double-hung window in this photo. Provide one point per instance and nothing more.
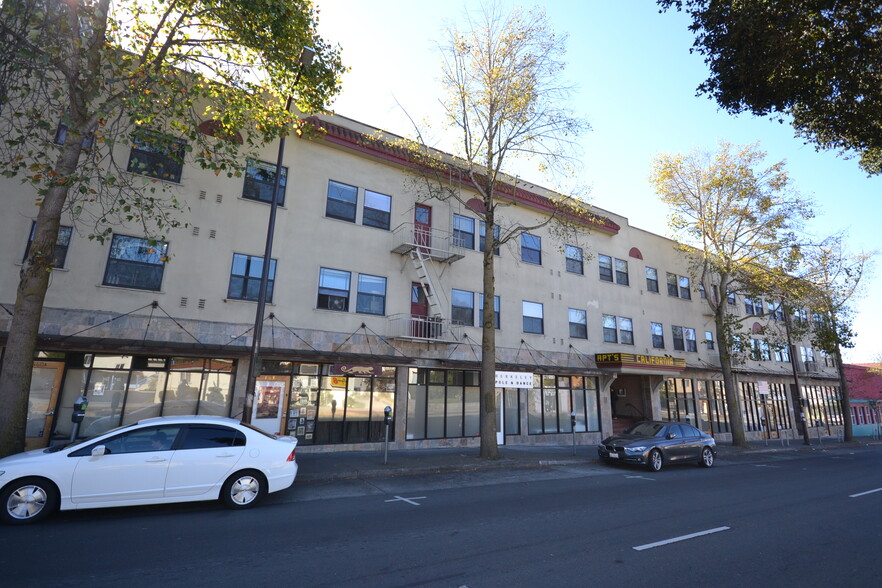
(260, 179)
(342, 201)
(658, 335)
(622, 272)
(462, 308)
(677, 337)
(157, 155)
(135, 263)
(531, 248)
(59, 254)
(709, 340)
(678, 286)
(651, 279)
(496, 308)
(578, 324)
(574, 260)
(377, 210)
(483, 237)
(605, 265)
(618, 329)
(782, 353)
(371, 298)
(533, 317)
(245, 278)
(691, 342)
(333, 291)
(463, 231)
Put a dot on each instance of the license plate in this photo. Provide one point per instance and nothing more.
(613, 455)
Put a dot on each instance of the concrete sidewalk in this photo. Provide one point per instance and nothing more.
(328, 466)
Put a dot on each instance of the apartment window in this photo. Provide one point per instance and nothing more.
(652, 279)
(775, 310)
(752, 307)
(622, 272)
(333, 291)
(678, 286)
(702, 294)
(371, 297)
(59, 254)
(691, 343)
(782, 353)
(760, 350)
(677, 337)
(462, 308)
(496, 307)
(135, 263)
(610, 334)
(463, 231)
(574, 260)
(260, 179)
(61, 137)
(730, 298)
(658, 335)
(157, 155)
(709, 340)
(578, 324)
(531, 248)
(807, 353)
(483, 237)
(342, 201)
(618, 330)
(604, 263)
(533, 317)
(245, 278)
(673, 290)
(626, 331)
(377, 210)
(685, 291)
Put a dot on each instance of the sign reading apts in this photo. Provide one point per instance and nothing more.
(639, 361)
(514, 379)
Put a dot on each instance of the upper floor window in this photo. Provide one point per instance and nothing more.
(371, 297)
(760, 350)
(678, 286)
(782, 353)
(775, 309)
(260, 179)
(651, 279)
(684, 338)
(157, 155)
(333, 291)
(752, 307)
(622, 272)
(483, 229)
(463, 231)
(377, 210)
(618, 330)
(604, 263)
(342, 201)
(462, 308)
(59, 254)
(730, 298)
(658, 335)
(578, 324)
(531, 248)
(533, 317)
(496, 309)
(709, 340)
(61, 137)
(245, 278)
(691, 342)
(574, 260)
(135, 263)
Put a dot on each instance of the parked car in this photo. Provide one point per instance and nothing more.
(154, 461)
(654, 444)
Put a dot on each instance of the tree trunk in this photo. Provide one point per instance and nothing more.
(844, 397)
(489, 447)
(736, 422)
(18, 361)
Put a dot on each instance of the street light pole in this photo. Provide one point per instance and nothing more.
(306, 57)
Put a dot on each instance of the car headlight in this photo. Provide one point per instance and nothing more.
(638, 449)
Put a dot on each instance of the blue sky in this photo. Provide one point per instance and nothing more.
(636, 84)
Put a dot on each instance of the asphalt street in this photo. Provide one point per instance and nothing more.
(773, 519)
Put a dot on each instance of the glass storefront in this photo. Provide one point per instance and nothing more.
(443, 404)
(553, 398)
(822, 404)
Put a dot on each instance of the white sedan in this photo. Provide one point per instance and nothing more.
(155, 461)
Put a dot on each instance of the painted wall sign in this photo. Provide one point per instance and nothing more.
(514, 379)
(639, 361)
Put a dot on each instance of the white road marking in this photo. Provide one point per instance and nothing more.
(681, 538)
(407, 500)
(763, 465)
(640, 478)
(865, 493)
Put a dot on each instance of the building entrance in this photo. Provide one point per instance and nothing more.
(45, 385)
(627, 402)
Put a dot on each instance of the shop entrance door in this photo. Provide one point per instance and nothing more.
(500, 417)
(270, 398)
(704, 415)
(45, 384)
(771, 421)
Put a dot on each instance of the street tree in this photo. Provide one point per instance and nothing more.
(813, 62)
(504, 102)
(831, 281)
(203, 80)
(737, 220)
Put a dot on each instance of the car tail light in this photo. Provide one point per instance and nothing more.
(292, 457)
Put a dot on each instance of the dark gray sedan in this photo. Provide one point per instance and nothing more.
(654, 444)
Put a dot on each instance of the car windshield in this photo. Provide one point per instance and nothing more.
(646, 429)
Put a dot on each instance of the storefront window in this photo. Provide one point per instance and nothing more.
(443, 404)
(553, 398)
(349, 409)
(677, 400)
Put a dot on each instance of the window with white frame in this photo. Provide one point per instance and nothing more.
(578, 323)
(531, 248)
(462, 308)
(59, 253)
(613, 270)
(709, 340)
(657, 331)
(245, 277)
(605, 268)
(760, 350)
(333, 291)
(533, 317)
(691, 342)
(260, 179)
(678, 286)
(342, 201)
(463, 231)
(135, 263)
(377, 210)
(622, 272)
(496, 309)
(782, 353)
(618, 329)
(574, 261)
(651, 279)
(371, 297)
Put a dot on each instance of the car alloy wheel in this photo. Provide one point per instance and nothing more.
(243, 489)
(707, 457)
(28, 500)
(655, 460)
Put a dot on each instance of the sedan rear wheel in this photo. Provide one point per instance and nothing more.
(707, 457)
(243, 489)
(28, 500)
(656, 461)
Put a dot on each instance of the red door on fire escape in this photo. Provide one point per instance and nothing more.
(422, 226)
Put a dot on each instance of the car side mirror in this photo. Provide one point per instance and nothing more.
(670, 436)
(98, 451)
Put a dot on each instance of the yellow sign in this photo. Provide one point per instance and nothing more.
(639, 360)
(338, 382)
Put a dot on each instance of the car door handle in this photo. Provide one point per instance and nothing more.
(156, 460)
(227, 455)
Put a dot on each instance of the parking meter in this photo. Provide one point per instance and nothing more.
(573, 429)
(387, 420)
(387, 415)
(79, 412)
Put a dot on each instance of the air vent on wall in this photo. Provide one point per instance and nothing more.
(220, 198)
(202, 304)
(202, 194)
(195, 231)
(183, 301)
(212, 233)
(309, 369)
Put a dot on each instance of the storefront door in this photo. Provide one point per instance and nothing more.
(270, 397)
(45, 384)
(500, 418)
